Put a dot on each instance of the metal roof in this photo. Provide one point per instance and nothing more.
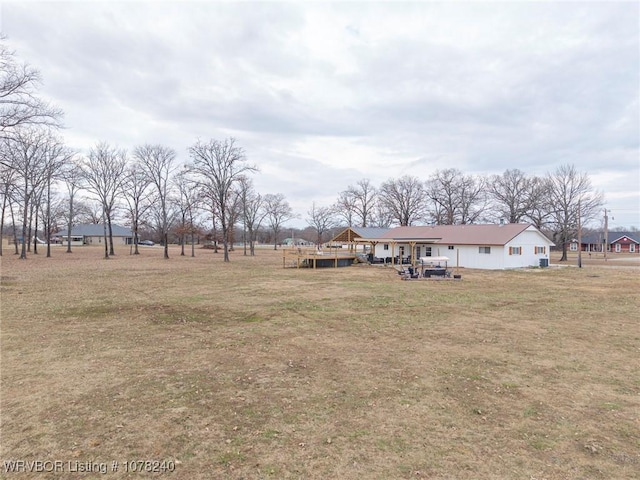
(96, 230)
(353, 233)
(475, 234)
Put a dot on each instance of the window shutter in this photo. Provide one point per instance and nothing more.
(510, 251)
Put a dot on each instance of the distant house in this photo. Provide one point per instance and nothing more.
(487, 246)
(298, 242)
(93, 234)
(619, 242)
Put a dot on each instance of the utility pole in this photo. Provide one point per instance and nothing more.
(606, 234)
(579, 237)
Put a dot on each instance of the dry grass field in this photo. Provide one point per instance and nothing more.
(248, 370)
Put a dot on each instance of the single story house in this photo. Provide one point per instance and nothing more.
(93, 234)
(487, 246)
(619, 242)
(298, 242)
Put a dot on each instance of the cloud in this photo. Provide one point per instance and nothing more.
(331, 92)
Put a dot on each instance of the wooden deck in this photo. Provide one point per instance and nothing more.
(313, 258)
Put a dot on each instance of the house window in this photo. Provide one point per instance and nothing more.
(484, 250)
(418, 252)
(632, 247)
(427, 251)
(573, 247)
(540, 250)
(450, 247)
(515, 250)
(385, 246)
(617, 248)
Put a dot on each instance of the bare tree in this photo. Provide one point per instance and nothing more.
(136, 192)
(252, 213)
(512, 194)
(572, 199)
(472, 197)
(73, 178)
(7, 190)
(206, 194)
(442, 190)
(220, 165)
(404, 199)
(104, 174)
(235, 212)
(57, 156)
(541, 209)
(357, 203)
(14, 227)
(158, 162)
(277, 211)
(455, 198)
(187, 200)
(27, 153)
(87, 210)
(364, 197)
(19, 105)
(380, 216)
(345, 207)
(321, 219)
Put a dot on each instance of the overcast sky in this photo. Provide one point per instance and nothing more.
(323, 94)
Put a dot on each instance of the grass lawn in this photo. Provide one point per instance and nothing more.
(247, 370)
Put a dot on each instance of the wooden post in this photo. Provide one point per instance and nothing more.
(413, 253)
(606, 234)
(579, 238)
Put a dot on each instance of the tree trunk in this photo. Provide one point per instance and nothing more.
(106, 243)
(564, 252)
(225, 239)
(4, 208)
(111, 250)
(48, 221)
(244, 239)
(14, 228)
(30, 229)
(25, 232)
(69, 226)
(135, 236)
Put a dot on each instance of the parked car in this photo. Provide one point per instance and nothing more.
(148, 243)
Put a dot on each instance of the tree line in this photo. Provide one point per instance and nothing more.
(44, 184)
(555, 203)
(145, 187)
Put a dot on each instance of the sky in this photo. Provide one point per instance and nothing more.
(323, 94)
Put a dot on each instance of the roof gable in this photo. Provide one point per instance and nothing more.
(623, 237)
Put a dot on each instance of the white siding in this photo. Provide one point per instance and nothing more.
(469, 256)
(527, 241)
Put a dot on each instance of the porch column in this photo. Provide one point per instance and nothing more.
(413, 253)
